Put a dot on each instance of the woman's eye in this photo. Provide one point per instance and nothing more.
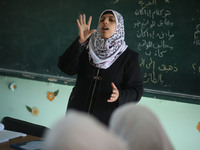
(112, 20)
(108, 19)
(102, 20)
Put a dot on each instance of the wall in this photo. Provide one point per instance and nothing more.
(32, 94)
(179, 119)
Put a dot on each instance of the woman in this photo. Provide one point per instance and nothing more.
(79, 131)
(108, 72)
(139, 126)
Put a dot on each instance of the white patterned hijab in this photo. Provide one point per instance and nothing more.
(104, 52)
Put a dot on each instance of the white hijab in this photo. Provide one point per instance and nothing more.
(139, 127)
(80, 131)
(104, 52)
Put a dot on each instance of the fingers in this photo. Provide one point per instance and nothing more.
(92, 31)
(115, 94)
(84, 29)
(78, 23)
(113, 86)
(82, 20)
(113, 98)
(89, 21)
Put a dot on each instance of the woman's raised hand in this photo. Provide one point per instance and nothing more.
(115, 93)
(84, 29)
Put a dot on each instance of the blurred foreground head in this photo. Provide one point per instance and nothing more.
(80, 131)
(139, 127)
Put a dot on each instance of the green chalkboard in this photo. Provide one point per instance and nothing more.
(166, 33)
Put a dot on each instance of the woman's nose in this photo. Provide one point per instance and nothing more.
(105, 21)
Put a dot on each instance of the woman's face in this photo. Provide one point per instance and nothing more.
(107, 25)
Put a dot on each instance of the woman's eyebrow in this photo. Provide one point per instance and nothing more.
(107, 16)
(111, 16)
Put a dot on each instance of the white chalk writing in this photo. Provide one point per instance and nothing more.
(196, 68)
(153, 29)
(154, 71)
(197, 36)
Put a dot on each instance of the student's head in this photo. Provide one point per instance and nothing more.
(80, 131)
(110, 22)
(140, 127)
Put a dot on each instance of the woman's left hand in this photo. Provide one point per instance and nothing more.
(115, 93)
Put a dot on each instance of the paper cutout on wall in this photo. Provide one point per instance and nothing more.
(33, 110)
(52, 95)
(13, 86)
(198, 126)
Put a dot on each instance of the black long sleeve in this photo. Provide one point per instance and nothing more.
(132, 87)
(69, 62)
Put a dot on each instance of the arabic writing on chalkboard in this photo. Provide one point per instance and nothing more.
(154, 33)
(151, 66)
(168, 51)
(197, 36)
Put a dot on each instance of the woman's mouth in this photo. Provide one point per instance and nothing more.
(105, 28)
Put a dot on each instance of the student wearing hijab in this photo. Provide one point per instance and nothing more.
(139, 126)
(79, 131)
(108, 71)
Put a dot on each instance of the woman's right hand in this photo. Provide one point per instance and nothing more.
(84, 29)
